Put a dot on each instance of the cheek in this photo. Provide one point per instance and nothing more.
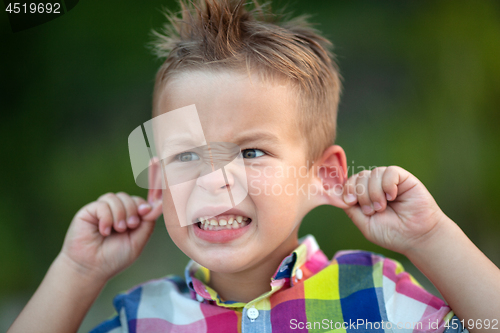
(179, 236)
(276, 196)
(266, 180)
(169, 212)
(278, 183)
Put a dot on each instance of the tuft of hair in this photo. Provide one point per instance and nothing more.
(240, 36)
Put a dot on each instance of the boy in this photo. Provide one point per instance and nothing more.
(272, 89)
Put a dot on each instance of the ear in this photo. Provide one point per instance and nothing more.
(155, 192)
(332, 175)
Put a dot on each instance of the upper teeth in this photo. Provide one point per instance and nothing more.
(222, 222)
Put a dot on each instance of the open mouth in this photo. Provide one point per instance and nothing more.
(223, 222)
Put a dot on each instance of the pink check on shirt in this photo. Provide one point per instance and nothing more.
(357, 291)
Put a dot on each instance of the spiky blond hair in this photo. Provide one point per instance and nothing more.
(239, 36)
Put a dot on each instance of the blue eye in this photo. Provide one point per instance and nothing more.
(252, 153)
(187, 157)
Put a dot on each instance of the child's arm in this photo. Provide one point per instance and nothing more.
(92, 253)
(393, 209)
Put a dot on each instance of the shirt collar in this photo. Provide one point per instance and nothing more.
(307, 258)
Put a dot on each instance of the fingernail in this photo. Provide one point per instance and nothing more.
(377, 206)
(388, 196)
(107, 231)
(367, 209)
(350, 198)
(144, 206)
(122, 225)
(133, 220)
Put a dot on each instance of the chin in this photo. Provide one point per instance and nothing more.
(222, 264)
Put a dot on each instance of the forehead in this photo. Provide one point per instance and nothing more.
(232, 105)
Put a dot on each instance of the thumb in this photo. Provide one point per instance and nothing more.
(335, 197)
(341, 204)
(156, 211)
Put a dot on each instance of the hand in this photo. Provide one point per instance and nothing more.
(107, 235)
(391, 207)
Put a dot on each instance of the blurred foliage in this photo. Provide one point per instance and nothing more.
(421, 90)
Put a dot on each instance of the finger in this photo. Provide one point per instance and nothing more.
(117, 209)
(132, 218)
(349, 195)
(362, 193)
(390, 182)
(141, 234)
(375, 190)
(156, 211)
(99, 213)
(143, 207)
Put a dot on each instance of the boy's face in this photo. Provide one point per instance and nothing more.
(260, 118)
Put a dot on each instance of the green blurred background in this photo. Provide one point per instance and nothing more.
(422, 91)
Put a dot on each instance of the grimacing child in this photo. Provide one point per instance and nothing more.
(270, 86)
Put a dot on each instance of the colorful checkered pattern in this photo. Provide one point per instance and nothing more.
(357, 291)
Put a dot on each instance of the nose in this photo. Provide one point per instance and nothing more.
(217, 181)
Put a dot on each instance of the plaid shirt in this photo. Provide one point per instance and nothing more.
(356, 291)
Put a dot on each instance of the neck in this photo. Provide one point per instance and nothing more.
(250, 283)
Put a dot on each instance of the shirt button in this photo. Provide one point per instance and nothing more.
(252, 313)
(298, 274)
(199, 298)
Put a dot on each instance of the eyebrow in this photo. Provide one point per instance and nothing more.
(258, 136)
(173, 146)
(178, 144)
